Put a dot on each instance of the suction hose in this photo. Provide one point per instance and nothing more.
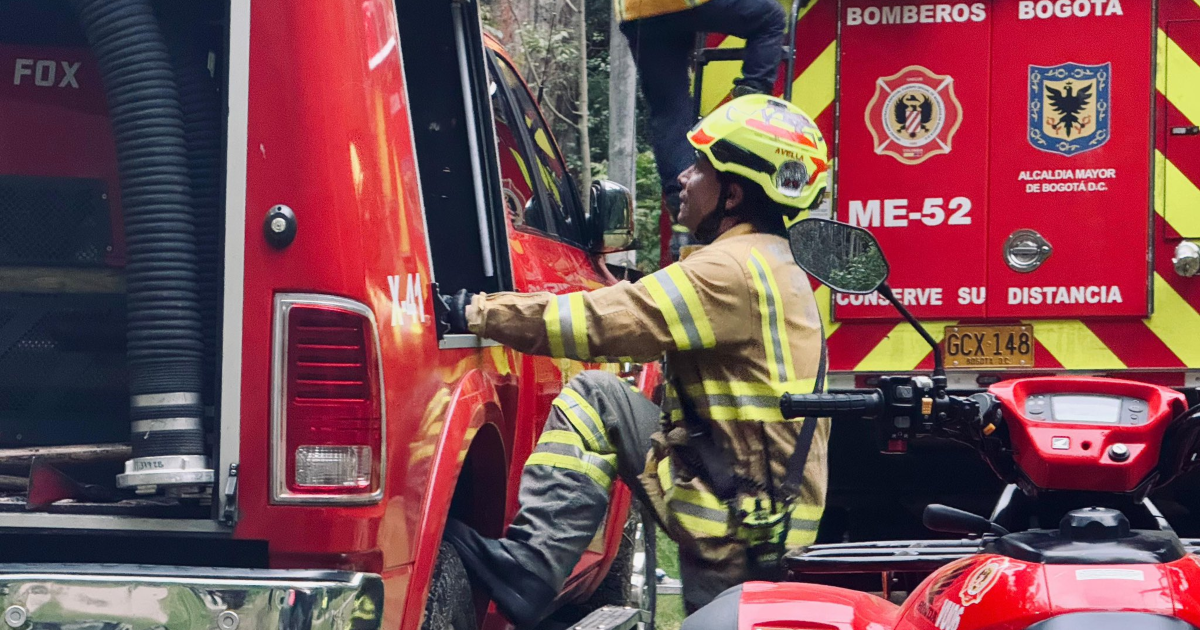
(200, 102)
(165, 338)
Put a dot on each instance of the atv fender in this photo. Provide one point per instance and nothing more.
(795, 605)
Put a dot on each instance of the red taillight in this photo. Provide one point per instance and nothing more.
(329, 407)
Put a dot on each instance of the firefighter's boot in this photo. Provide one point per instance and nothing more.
(520, 594)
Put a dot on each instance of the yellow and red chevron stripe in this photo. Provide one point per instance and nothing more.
(1169, 340)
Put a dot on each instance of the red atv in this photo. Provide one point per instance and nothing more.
(1073, 543)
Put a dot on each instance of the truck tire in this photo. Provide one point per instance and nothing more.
(450, 605)
(631, 579)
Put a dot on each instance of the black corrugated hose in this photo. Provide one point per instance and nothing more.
(165, 339)
(200, 101)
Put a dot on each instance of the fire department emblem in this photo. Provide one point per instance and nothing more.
(913, 115)
(1069, 107)
(981, 581)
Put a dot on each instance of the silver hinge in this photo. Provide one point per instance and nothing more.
(230, 515)
(1185, 131)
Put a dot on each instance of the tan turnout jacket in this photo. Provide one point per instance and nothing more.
(739, 326)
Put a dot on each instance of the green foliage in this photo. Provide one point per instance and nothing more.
(543, 41)
(861, 272)
(647, 213)
(669, 614)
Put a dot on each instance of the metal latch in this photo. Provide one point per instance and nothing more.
(230, 514)
(1025, 250)
(1186, 131)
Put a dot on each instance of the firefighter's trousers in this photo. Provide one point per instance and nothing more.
(598, 431)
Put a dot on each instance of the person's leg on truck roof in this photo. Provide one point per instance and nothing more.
(662, 48)
(762, 23)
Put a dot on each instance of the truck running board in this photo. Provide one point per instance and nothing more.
(612, 618)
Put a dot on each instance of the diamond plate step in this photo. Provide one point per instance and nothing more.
(610, 618)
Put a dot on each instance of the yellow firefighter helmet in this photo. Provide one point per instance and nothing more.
(770, 142)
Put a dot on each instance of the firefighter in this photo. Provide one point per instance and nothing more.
(738, 325)
(662, 35)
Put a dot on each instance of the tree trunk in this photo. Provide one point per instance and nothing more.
(505, 20)
(622, 123)
(585, 144)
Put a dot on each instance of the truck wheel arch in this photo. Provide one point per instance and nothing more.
(471, 447)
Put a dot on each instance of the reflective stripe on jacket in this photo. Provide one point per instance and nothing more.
(637, 9)
(738, 324)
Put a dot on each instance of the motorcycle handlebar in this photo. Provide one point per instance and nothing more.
(836, 406)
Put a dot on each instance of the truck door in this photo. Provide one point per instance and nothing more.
(1068, 232)
(1183, 128)
(912, 151)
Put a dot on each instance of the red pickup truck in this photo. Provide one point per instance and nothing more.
(224, 396)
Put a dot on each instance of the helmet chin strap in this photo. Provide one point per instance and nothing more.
(710, 226)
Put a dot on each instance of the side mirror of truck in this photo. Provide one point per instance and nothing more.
(611, 218)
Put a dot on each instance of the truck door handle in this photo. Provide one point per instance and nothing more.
(1186, 131)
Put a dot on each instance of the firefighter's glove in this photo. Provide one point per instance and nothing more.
(452, 313)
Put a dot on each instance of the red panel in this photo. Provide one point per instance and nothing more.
(912, 145)
(1056, 170)
(1132, 342)
(1182, 138)
(814, 32)
(1170, 10)
(1042, 358)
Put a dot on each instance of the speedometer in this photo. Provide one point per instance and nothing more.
(1079, 408)
(1102, 409)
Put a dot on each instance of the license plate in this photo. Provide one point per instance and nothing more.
(974, 347)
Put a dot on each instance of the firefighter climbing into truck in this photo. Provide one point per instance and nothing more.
(725, 476)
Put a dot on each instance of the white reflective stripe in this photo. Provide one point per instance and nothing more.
(572, 326)
(166, 424)
(163, 400)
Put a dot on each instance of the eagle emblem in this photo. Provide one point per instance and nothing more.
(1069, 107)
(913, 115)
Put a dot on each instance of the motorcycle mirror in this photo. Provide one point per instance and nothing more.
(848, 259)
(845, 258)
(943, 518)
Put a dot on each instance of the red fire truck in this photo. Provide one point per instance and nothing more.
(1032, 171)
(224, 397)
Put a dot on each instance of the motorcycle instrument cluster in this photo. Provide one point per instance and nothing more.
(1086, 409)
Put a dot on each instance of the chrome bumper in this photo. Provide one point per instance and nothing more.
(133, 597)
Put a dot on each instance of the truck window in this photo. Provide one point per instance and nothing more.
(516, 167)
(560, 198)
(442, 48)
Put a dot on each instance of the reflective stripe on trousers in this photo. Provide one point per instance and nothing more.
(598, 430)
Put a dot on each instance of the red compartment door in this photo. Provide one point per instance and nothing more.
(912, 150)
(1070, 163)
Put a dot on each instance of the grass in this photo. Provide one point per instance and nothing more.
(669, 614)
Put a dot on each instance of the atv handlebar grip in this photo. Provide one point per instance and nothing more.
(838, 406)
